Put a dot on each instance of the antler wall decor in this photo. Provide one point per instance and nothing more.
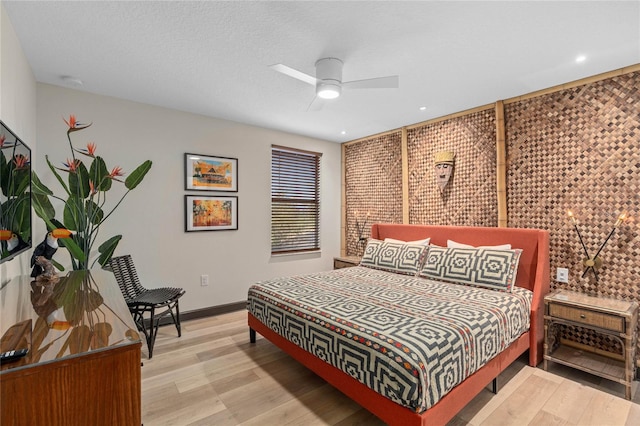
(360, 227)
(594, 263)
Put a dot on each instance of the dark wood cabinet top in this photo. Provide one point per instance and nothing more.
(81, 313)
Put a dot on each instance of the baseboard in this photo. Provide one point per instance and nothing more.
(213, 310)
(207, 312)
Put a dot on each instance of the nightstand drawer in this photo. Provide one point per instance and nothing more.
(585, 316)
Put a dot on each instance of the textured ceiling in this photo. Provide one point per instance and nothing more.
(212, 58)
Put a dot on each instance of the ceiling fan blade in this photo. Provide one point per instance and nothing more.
(298, 75)
(316, 104)
(390, 82)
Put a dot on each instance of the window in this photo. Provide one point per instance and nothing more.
(295, 200)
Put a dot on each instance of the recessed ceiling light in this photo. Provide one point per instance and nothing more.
(422, 108)
(581, 58)
(344, 132)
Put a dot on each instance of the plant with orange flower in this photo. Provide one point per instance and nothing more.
(85, 197)
(15, 197)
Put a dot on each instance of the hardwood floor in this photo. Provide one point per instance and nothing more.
(212, 375)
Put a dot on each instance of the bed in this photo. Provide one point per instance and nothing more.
(377, 334)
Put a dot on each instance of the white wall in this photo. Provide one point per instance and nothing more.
(17, 111)
(151, 218)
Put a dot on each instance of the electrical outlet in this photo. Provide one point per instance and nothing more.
(562, 275)
(204, 280)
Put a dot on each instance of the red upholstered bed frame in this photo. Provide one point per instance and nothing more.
(533, 273)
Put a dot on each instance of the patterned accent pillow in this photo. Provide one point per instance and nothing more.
(401, 258)
(486, 268)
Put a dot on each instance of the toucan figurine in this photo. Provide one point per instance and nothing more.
(5, 234)
(47, 248)
(14, 242)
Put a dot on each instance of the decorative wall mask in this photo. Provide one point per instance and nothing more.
(443, 168)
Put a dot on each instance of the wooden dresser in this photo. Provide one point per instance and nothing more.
(611, 318)
(83, 364)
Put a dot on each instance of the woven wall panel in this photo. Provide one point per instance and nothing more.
(579, 150)
(576, 149)
(470, 196)
(373, 179)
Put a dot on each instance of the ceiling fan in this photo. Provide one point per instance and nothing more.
(328, 80)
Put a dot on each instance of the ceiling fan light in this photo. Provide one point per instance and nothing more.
(328, 91)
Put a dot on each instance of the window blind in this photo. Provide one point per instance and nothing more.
(295, 200)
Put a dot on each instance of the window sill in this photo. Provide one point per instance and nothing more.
(313, 253)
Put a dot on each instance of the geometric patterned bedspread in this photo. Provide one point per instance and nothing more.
(408, 338)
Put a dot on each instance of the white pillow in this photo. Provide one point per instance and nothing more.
(455, 244)
(424, 242)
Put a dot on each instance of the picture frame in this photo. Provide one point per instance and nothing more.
(210, 173)
(211, 213)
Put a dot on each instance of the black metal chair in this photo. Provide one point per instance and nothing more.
(158, 302)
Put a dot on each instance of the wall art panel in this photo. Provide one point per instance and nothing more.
(470, 195)
(579, 149)
(373, 193)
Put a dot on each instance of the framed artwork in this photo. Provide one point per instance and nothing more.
(207, 173)
(210, 213)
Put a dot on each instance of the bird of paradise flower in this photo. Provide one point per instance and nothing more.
(85, 199)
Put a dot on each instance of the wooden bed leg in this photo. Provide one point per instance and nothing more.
(252, 335)
(494, 386)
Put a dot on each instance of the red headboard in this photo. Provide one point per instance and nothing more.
(534, 261)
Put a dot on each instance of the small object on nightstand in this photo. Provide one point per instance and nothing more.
(614, 318)
(346, 261)
(12, 355)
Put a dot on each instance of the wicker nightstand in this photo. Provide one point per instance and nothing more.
(346, 261)
(614, 318)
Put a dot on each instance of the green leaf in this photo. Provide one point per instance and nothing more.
(107, 248)
(4, 173)
(99, 175)
(43, 207)
(21, 181)
(93, 212)
(79, 181)
(37, 187)
(13, 181)
(58, 266)
(57, 175)
(137, 175)
(73, 248)
(21, 219)
(73, 214)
